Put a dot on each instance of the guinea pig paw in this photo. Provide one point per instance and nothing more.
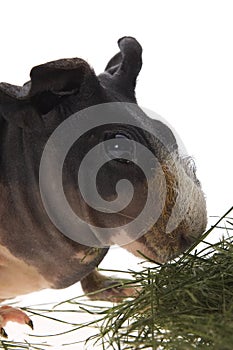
(115, 290)
(8, 313)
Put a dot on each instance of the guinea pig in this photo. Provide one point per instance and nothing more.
(33, 245)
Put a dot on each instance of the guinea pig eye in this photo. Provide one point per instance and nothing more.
(119, 147)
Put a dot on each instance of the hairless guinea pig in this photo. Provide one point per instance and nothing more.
(33, 245)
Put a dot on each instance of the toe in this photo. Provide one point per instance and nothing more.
(8, 313)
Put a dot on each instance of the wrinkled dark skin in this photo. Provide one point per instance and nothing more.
(28, 116)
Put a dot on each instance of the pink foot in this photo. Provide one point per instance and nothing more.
(8, 313)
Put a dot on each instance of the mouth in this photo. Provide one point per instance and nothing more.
(159, 247)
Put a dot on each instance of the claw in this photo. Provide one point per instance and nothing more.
(8, 313)
(3, 333)
(30, 324)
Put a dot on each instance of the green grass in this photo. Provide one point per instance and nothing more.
(184, 304)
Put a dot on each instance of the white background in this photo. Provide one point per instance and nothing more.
(187, 74)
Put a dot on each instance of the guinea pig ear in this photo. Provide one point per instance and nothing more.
(126, 64)
(61, 77)
(15, 106)
(50, 84)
